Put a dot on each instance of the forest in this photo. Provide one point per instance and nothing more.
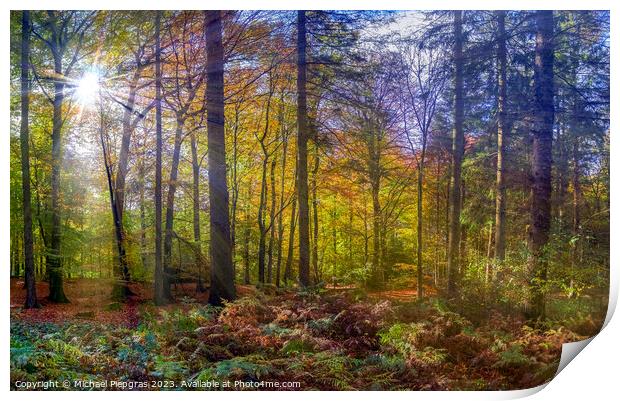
(306, 200)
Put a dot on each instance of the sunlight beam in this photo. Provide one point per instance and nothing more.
(87, 89)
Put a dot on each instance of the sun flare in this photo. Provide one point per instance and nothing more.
(87, 89)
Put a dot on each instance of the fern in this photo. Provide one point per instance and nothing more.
(166, 369)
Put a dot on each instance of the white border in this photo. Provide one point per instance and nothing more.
(593, 374)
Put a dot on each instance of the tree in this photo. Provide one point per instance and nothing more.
(187, 76)
(60, 31)
(424, 83)
(500, 185)
(131, 117)
(196, 209)
(262, 205)
(302, 154)
(121, 290)
(24, 133)
(542, 134)
(457, 159)
(159, 268)
(222, 278)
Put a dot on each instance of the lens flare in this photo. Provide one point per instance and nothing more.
(87, 89)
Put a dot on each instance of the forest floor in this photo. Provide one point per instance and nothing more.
(329, 339)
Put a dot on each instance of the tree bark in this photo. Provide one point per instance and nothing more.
(315, 212)
(261, 221)
(123, 160)
(246, 239)
(457, 158)
(376, 277)
(196, 211)
(57, 293)
(272, 225)
(222, 278)
(500, 186)
(24, 133)
(281, 208)
(302, 153)
(420, 278)
(235, 190)
(288, 274)
(172, 187)
(542, 132)
(120, 290)
(142, 185)
(159, 268)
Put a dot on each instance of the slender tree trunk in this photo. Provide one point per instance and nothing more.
(262, 240)
(542, 132)
(350, 231)
(457, 158)
(246, 239)
(261, 221)
(24, 133)
(142, 184)
(437, 221)
(366, 236)
(561, 166)
(302, 153)
(272, 225)
(123, 160)
(376, 245)
(288, 274)
(235, 191)
(315, 213)
(575, 124)
(576, 188)
(500, 186)
(222, 278)
(196, 210)
(120, 291)
(172, 187)
(160, 298)
(13, 257)
(281, 207)
(420, 278)
(487, 269)
(57, 293)
(576, 226)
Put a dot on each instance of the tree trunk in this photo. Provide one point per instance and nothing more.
(222, 278)
(142, 184)
(159, 268)
(315, 212)
(420, 278)
(500, 186)
(261, 221)
(487, 267)
(123, 159)
(235, 191)
(172, 187)
(281, 206)
(302, 153)
(457, 158)
(120, 290)
(57, 293)
(288, 274)
(272, 225)
(196, 210)
(24, 133)
(542, 132)
(246, 240)
(576, 189)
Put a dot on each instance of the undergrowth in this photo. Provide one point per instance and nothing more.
(323, 341)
